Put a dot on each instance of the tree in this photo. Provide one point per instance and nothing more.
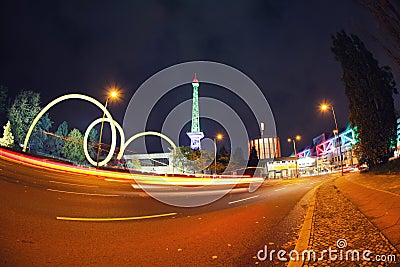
(133, 164)
(8, 139)
(39, 135)
(73, 147)
(369, 89)
(388, 17)
(252, 162)
(253, 157)
(238, 162)
(195, 161)
(21, 115)
(93, 143)
(223, 155)
(55, 143)
(3, 101)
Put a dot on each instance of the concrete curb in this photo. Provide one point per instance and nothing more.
(305, 232)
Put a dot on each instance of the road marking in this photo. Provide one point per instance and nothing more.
(240, 200)
(114, 180)
(79, 193)
(116, 219)
(73, 184)
(149, 186)
(279, 189)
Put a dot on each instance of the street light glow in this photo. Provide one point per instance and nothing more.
(219, 136)
(324, 107)
(114, 94)
(296, 138)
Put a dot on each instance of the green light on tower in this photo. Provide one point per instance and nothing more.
(195, 107)
(195, 135)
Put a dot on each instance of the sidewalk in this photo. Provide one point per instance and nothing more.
(339, 225)
(381, 207)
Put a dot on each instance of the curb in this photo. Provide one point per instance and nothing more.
(305, 232)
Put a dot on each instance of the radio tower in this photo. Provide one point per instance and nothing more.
(195, 135)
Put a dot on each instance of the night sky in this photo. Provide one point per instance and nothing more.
(59, 47)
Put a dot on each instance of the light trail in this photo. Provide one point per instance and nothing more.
(55, 182)
(116, 219)
(80, 193)
(243, 199)
(196, 193)
(182, 180)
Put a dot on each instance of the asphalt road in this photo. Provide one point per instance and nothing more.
(37, 206)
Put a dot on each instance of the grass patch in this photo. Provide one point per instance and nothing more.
(391, 167)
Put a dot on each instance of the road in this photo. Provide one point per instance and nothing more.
(43, 215)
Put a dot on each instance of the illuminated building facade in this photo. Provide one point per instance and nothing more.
(267, 147)
(397, 151)
(326, 152)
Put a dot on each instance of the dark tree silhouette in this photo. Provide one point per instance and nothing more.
(369, 89)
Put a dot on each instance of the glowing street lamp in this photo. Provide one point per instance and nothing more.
(325, 107)
(217, 137)
(293, 140)
(113, 94)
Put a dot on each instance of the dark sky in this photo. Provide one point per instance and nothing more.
(58, 47)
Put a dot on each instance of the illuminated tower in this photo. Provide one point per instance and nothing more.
(195, 135)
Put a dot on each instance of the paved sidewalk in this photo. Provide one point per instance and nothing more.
(339, 225)
(381, 207)
(385, 182)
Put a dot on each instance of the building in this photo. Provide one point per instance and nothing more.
(327, 151)
(267, 148)
(397, 151)
(156, 162)
(282, 168)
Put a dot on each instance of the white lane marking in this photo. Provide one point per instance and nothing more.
(243, 199)
(279, 189)
(150, 186)
(118, 181)
(55, 182)
(116, 219)
(79, 193)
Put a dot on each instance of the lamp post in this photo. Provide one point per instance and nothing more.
(325, 107)
(293, 140)
(262, 138)
(217, 137)
(113, 94)
(264, 150)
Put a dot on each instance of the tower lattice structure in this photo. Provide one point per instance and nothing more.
(195, 135)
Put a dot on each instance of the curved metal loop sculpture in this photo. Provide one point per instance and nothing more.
(108, 118)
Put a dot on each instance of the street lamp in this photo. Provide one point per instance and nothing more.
(325, 107)
(113, 94)
(293, 140)
(217, 137)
